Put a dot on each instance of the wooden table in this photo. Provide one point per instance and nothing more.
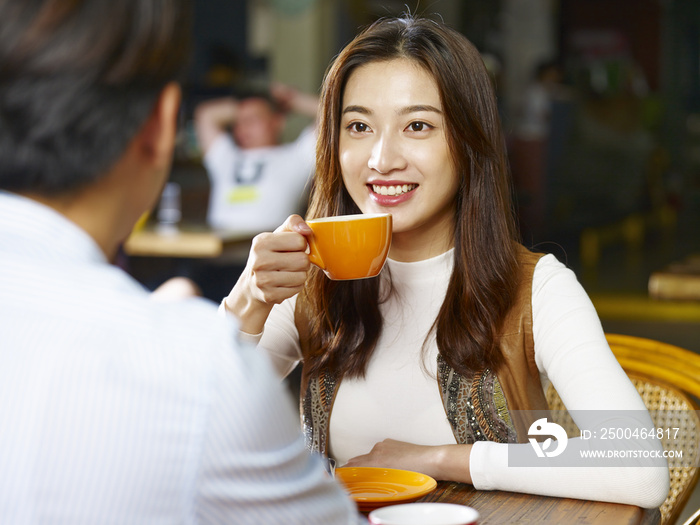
(189, 241)
(678, 281)
(211, 258)
(498, 508)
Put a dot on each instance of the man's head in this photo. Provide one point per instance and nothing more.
(258, 123)
(78, 79)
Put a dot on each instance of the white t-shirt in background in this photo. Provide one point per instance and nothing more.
(256, 189)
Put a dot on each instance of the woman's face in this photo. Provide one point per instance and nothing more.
(394, 155)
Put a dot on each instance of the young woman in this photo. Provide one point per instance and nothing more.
(429, 366)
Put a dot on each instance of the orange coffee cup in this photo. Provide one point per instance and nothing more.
(350, 246)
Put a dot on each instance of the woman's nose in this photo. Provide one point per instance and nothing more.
(386, 156)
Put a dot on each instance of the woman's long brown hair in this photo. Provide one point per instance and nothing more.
(344, 320)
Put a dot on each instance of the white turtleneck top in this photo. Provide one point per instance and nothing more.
(399, 398)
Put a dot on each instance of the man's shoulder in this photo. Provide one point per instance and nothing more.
(186, 336)
(108, 298)
(193, 318)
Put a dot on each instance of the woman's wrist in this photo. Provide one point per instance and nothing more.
(250, 312)
(452, 462)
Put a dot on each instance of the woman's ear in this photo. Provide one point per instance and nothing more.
(157, 136)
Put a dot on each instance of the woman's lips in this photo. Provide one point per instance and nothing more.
(391, 194)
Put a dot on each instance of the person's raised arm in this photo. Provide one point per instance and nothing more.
(276, 270)
(211, 118)
(295, 101)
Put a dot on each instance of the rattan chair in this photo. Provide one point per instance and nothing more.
(667, 378)
(694, 519)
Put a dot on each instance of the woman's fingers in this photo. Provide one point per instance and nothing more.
(276, 246)
(278, 262)
(276, 270)
(294, 223)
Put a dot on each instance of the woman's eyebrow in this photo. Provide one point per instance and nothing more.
(403, 111)
(418, 108)
(357, 109)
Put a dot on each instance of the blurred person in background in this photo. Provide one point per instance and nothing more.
(256, 181)
(117, 408)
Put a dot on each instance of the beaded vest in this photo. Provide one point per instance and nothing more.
(485, 405)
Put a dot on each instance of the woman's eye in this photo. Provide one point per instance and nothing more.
(419, 126)
(358, 127)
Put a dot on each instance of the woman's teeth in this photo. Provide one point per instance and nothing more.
(393, 190)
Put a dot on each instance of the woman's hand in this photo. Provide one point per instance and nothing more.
(449, 462)
(276, 270)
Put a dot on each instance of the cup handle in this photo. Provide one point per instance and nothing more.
(314, 255)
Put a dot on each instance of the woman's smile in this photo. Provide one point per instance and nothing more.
(391, 193)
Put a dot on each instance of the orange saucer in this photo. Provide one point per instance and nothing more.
(373, 487)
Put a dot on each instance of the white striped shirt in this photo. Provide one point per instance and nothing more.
(118, 409)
